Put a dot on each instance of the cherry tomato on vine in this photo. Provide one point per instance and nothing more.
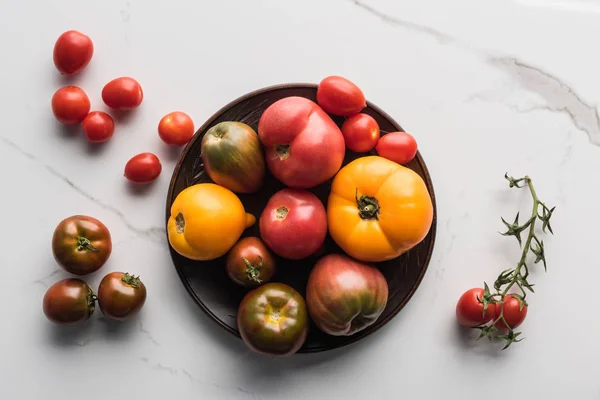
(469, 310)
(176, 128)
(361, 132)
(98, 127)
(69, 302)
(123, 93)
(70, 105)
(72, 52)
(400, 147)
(513, 313)
(143, 168)
(121, 296)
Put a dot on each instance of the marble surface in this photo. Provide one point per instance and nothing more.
(486, 87)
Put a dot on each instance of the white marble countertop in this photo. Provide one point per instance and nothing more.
(487, 87)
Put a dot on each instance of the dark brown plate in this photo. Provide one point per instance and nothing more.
(207, 282)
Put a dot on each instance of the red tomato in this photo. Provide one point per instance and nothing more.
(143, 168)
(339, 96)
(513, 314)
(469, 310)
(400, 147)
(70, 105)
(176, 128)
(123, 93)
(72, 52)
(361, 133)
(98, 127)
(293, 223)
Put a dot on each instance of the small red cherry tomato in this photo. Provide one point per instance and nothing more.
(361, 133)
(400, 147)
(176, 128)
(70, 105)
(123, 93)
(513, 313)
(339, 96)
(72, 52)
(469, 310)
(143, 168)
(98, 127)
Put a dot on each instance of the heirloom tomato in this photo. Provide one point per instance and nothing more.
(69, 302)
(249, 263)
(121, 296)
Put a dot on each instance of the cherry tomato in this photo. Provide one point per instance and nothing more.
(400, 147)
(69, 302)
(72, 52)
(123, 93)
(339, 96)
(70, 105)
(249, 262)
(469, 310)
(513, 313)
(121, 296)
(143, 168)
(176, 128)
(81, 244)
(98, 127)
(361, 133)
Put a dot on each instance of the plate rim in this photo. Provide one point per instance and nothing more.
(170, 198)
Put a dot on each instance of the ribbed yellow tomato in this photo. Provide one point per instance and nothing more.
(206, 221)
(378, 209)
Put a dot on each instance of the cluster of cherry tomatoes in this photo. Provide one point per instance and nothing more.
(73, 51)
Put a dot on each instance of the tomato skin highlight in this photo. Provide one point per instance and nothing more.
(400, 147)
(69, 302)
(98, 127)
(121, 296)
(513, 314)
(176, 128)
(143, 168)
(72, 52)
(361, 133)
(469, 311)
(339, 96)
(70, 105)
(122, 93)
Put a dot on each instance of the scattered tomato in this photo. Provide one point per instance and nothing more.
(176, 128)
(121, 296)
(70, 105)
(249, 262)
(81, 244)
(339, 96)
(143, 168)
(72, 52)
(123, 93)
(361, 132)
(69, 302)
(400, 147)
(98, 127)
(513, 313)
(469, 310)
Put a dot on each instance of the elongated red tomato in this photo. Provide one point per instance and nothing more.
(123, 93)
(400, 147)
(339, 96)
(72, 52)
(143, 168)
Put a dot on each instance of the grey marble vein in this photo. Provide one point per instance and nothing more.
(42, 281)
(155, 234)
(147, 333)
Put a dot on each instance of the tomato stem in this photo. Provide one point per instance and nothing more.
(253, 271)
(281, 212)
(84, 244)
(179, 223)
(368, 206)
(283, 151)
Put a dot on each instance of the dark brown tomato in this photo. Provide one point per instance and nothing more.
(81, 244)
(69, 302)
(249, 262)
(121, 296)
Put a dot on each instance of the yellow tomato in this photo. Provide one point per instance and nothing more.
(378, 209)
(206, 221)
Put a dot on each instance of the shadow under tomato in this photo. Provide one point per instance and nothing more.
(71, 336)
(96, 149)
(139, 189)
(466, 339)
(67, 131)
(119, 330)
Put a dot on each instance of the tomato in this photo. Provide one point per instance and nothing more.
(176, 128)
(81, 244)
(123, 93)
(339, 96)
(400, 147)
(303, 146)
(72, 52)
(143, 168)
(361, 133)
(293, 223)
(272, 320)
(233, 157)
(121, 296)
(469, 310)
(98, 127)
(249, 262)
(69, 302)
(378, 209)
(345, 296)
(513, 313)
(206, 221)
(70, 105)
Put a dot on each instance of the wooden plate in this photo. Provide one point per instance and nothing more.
(207, 282)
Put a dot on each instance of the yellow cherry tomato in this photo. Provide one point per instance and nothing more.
(206, 221)
(378, 209)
